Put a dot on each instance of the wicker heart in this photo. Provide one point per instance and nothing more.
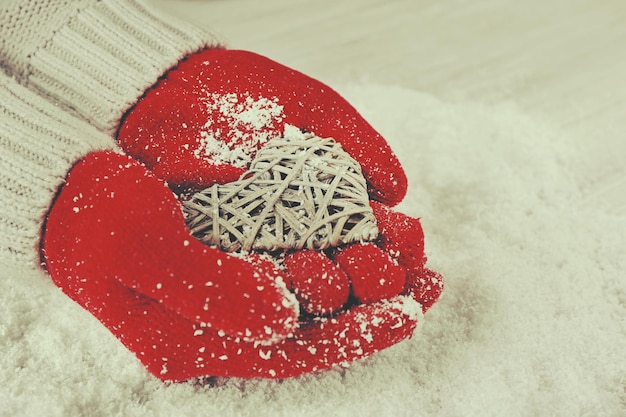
(300, 192)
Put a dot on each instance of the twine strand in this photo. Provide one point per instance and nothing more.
(304, 193)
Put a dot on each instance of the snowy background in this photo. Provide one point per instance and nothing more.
(510, 124)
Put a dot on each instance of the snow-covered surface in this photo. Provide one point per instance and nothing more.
(522, 216)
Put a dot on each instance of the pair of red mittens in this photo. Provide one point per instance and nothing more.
(115, 239)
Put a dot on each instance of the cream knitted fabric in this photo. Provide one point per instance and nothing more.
(38, 145)
(94, 57)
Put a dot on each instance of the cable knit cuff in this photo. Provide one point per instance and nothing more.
(106, 55)
(39, 143)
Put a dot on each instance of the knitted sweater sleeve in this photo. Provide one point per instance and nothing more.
(39, 143)
(95, 58)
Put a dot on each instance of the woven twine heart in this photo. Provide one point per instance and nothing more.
(304, 192)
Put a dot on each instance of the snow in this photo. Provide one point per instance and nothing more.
(249, 122)
(531, 323)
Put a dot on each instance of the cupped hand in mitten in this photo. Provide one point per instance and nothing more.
(204, 122)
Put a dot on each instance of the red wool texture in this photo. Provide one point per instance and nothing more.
(373, 273)
(165, 127)
(116, 242)
(319, 284)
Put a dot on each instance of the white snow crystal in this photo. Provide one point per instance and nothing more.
(251, 122)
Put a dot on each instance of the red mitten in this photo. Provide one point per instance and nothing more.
(113, 220)
(205, 121)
